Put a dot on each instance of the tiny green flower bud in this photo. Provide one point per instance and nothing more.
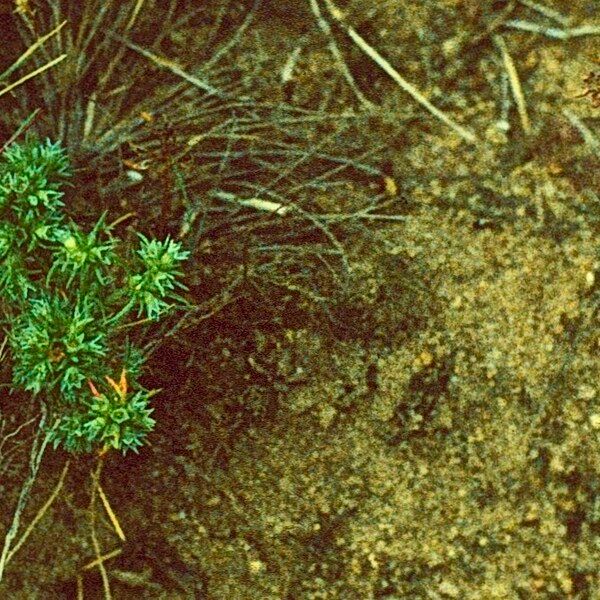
(70, 243)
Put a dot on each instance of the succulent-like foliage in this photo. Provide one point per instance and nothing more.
(56, 344)
(66, 296)
(30, 179)
(114, 418)
(154, 284)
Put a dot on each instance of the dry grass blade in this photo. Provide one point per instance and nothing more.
(38, 447)
(219, 54)
(173, 67)
(101, 559)
(40, 513)
(550, 13)
(22, 128)
(33, 74)
(515, 83)
(14, 433)
(256, 203)
(134, 14)
(588, 136)
(553, 32)
(410, 89)
(10, 445)
(335, 51)
(111, 514)
(17, 63)
(95, 543)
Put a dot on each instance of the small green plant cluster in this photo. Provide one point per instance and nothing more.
(69, 302)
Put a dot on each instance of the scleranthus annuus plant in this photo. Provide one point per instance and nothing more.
(68, 300)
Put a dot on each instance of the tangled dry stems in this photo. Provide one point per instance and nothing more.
(189, 152)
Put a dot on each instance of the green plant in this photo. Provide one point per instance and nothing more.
(67, 300)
